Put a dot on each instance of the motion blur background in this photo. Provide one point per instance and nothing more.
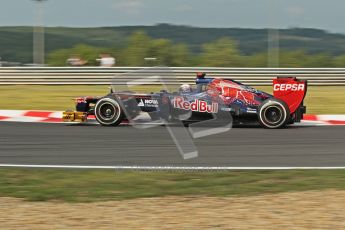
(190, 33)
(225, 33)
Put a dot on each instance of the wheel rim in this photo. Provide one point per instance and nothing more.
(107, 111)
(273, 115)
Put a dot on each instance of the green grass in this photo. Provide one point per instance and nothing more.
(42, 97)
(319, 100)
(45, 97)
(103, 185)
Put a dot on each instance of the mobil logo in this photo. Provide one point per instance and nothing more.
(151, 101)
(197, 105)
(289, 87)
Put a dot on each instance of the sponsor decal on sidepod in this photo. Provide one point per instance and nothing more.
(148, 103)
(196, 105)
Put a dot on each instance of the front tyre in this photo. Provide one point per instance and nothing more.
(274, 113)
(108, 112)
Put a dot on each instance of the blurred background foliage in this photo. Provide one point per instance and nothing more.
(140, 46)
(170, 45)
(223, 52)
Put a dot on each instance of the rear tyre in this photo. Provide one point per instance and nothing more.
(108, 112)
(274, 114)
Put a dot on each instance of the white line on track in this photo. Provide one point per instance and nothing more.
(177, 168)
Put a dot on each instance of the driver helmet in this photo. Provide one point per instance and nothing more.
(185, 88)
(200, 75)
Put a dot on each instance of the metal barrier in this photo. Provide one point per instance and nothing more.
(105, 76)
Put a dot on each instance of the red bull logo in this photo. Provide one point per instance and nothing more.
(196, 105)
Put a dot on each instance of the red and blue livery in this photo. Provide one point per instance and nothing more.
(209, 97)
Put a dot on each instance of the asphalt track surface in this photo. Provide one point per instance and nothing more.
(66, 144)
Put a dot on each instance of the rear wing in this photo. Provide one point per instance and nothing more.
(292, 91)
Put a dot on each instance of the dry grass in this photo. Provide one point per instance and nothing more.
(297, 210)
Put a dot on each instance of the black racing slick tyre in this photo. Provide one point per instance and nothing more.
(274, 114)
(108, 112)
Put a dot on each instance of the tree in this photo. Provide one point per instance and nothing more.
(256, 60)
(86, 52)
(169, 54)
(141, 46)
(299, 58)
(161, 49)
(181, 55)
(138, 48)
(292, 59)
(339, 61)
(223, 53)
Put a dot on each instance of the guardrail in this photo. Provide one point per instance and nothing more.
(119, 75)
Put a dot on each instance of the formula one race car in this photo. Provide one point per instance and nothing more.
(209, 97)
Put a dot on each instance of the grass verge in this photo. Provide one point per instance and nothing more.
(319, 100)
(101, 185)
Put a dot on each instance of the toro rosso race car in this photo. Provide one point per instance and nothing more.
(209, 97)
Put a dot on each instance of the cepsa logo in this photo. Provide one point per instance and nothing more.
(196, 105)
(289, 87)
